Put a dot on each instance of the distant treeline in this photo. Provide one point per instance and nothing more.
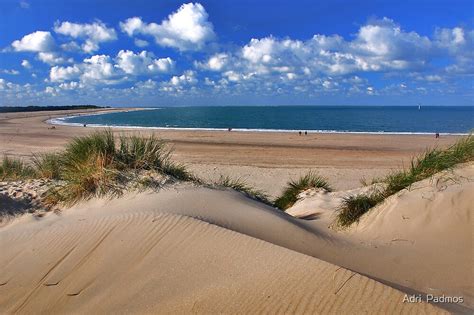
(19, 109)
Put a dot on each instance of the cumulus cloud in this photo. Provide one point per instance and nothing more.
(186, 29)
(459, 43)
(331, 62)
(142, 63)
(25, 64)
(215, 63)
(93, 33)
(177, 84)
(53, 58)
(188, 77)
(60, 74)
(102, 69)
(98, 68)
(38, 41)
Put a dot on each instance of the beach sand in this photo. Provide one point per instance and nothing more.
(192, 249)
(263, 159)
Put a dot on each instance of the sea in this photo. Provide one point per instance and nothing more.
(324, 119)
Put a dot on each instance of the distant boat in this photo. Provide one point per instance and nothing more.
(419, 107)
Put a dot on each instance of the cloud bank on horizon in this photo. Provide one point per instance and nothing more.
(183, 59)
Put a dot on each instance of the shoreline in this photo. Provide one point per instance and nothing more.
(262, 159)
(60, 121)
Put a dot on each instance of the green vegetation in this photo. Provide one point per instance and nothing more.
(293, 188)
(100, 165)
(430, 163)
(354, 206)
(422, 167)
(47, 165)
(15, 169)
(243, 187)
(21, 109)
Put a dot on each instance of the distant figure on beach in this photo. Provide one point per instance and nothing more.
(300, 133)
(85, 125)
(230, 129)
(437, 135)
(305, 133)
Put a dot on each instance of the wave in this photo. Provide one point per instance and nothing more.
(62, 121)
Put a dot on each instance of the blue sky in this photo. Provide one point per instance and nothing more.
(155, 53)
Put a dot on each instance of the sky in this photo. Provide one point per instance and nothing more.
(221, 52)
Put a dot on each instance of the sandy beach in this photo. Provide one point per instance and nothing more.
(193, 248)
(264, 159)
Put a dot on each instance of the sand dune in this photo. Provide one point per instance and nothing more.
(102, 260)
(420, 238)
(195, 249)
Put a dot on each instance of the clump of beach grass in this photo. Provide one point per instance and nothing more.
(354, 206)
(100, 164)
(47, 165)
(241, 186)
(15, 169)
(422, 167)
(295, 187)
(430, 163)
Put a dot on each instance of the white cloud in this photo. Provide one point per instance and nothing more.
(93, 34)
(141, 42)
(71, 46)
(142, 63)
(10, 72)
(215, 63)
(186, 29)
(179, 83)
(188, 77)
(53, 58)
(24, 4)
(260, 50)
(5, 85)
(102, 69)
(73, 85)
(25, 64)
(432, 78)
(60, 74)
(98, 69)
(135, 25)
(38, 41)
(459, 42)
(50, 90)
(379, 46)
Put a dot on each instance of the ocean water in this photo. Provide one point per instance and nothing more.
(365, 119)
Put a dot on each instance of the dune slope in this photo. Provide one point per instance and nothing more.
(196, 249)
(119, 256)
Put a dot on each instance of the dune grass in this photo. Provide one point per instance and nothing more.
(15, 169)
(102, 164)
(241, 186)
(295, 187)
(47, 165)
(430, 163)
(422, 167)
(354, 206)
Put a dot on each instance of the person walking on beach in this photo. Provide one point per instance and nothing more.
(300, 133)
